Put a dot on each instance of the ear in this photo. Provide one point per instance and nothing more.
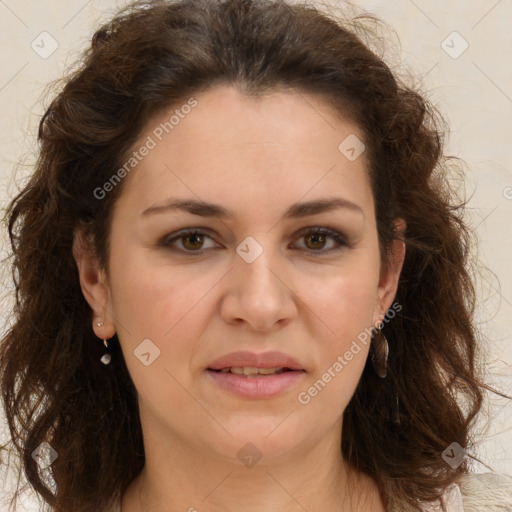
(94, 285)
(389, 276)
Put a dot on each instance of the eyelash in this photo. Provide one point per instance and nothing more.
(336, 236)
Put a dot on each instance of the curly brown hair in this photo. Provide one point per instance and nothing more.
(149, 57)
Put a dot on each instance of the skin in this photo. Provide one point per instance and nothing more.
(254, 157)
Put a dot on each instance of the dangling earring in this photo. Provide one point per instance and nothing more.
(379, 354)
(105, 358)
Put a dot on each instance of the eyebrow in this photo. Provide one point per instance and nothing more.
(295, 211)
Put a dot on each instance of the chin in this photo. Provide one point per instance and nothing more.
(266, 440)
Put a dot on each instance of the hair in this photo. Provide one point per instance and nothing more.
(150, 56)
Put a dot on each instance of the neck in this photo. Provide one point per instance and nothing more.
(317, 479)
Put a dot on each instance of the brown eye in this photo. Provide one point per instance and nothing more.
(192, 242)
(317, 240)
(189, 241)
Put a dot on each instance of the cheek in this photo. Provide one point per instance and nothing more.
(342, 312)
(153, 299)
(166, 304)
(341, 309)
(342, 299)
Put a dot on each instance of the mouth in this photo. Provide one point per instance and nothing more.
(251, 371)
(255, 383)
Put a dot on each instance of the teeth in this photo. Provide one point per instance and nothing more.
(250, 370)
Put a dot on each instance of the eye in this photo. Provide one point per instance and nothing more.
(191, 240)
(316, 239)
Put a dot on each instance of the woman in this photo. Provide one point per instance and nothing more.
(242, 282)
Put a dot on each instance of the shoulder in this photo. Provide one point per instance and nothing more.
(486, 492)
(476, 492)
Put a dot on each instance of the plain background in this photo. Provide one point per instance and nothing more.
(458, 50)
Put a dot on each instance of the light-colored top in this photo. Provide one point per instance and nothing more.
(486, 492)
(452, 499)
(482, 492)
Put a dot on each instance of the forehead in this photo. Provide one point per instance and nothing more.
(283, 144)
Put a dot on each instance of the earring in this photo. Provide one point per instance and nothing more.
(379, 354)
(105, 358)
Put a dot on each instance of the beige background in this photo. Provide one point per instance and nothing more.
(472, 88)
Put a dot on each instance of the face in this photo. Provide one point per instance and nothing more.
(279, 270)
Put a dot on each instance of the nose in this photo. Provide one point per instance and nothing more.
(259, 294)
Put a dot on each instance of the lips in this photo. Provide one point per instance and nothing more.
(246, 359)
(239, 374)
